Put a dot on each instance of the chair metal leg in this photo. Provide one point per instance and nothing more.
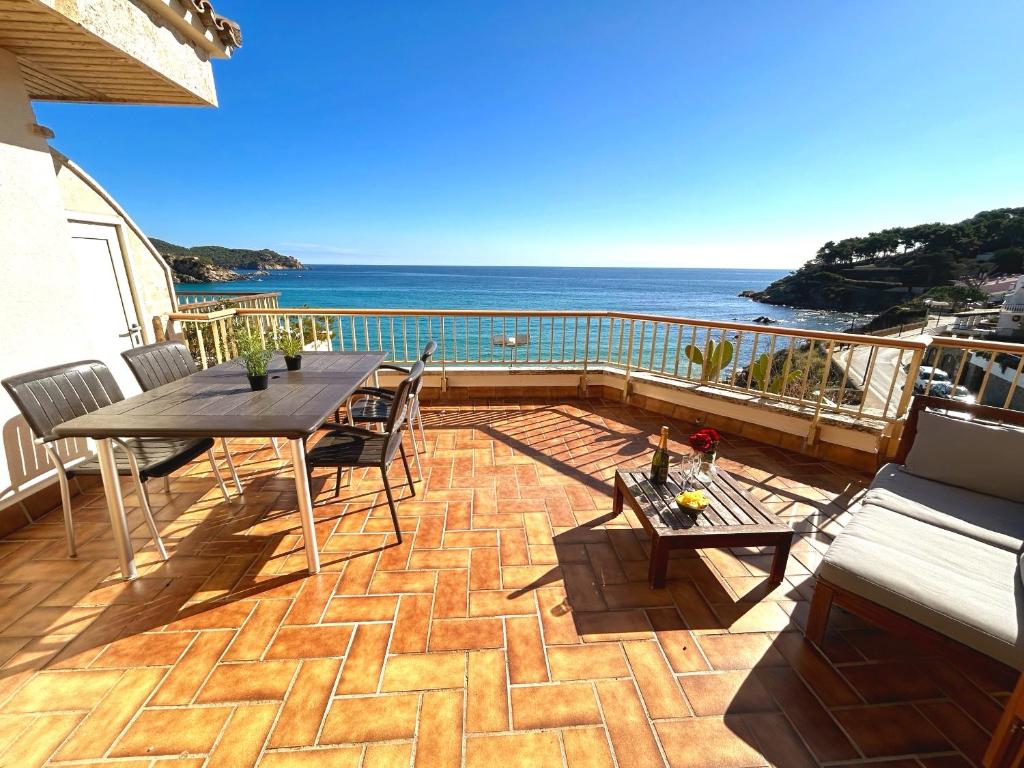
(216, 473)
(65, 501)
(416, 454)
(277, 451)
(167, 484)
(147, 512)
(405, 463)
(419, 418)
(337, 482)
(391, 502)
(231, 464)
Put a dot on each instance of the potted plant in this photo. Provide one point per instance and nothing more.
(254, 355)
(290, 344)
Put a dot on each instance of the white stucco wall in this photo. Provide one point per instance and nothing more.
(47, 310)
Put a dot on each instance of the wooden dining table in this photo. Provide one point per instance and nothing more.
(218, 402)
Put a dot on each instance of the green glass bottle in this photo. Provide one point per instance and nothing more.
(659, 464)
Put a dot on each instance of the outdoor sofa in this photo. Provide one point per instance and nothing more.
(935, 547)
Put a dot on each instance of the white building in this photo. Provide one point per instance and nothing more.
(78, 279)
(1010, 324)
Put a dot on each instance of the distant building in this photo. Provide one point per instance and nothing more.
(1010, 325)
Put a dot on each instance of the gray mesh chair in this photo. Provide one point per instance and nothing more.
(375, 404)
(157, 364)
(50, 396)
(350, 447)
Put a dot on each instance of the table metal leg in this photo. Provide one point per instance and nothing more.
(115, 506)
(305, 504)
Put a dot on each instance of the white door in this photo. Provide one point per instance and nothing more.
(97, 250)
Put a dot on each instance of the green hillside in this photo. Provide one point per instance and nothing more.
(229, 258)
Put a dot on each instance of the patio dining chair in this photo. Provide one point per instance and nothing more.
(50, 396)
(154, 365)
(375, 404)
(351, 447)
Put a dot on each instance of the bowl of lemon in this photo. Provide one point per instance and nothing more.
(694, 501)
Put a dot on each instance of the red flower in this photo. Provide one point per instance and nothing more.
(705, 440)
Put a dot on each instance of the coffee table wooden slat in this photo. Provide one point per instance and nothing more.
(733, 519)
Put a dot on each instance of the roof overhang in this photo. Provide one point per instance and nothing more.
(120, 51)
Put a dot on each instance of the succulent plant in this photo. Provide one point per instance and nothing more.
(761, 374)
(712, 360)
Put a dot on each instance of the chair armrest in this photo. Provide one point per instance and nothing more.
(351, 430)
(393, 367)
(374, 391)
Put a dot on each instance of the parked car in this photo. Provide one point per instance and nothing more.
(951, 392)
(928, 374)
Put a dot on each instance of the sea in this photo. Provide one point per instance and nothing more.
(700, 293)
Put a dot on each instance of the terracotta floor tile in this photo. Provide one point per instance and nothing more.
(509, 543)
(586, 662)
(630, 731)
(254, 637)
(39, 740)
(310, 642)
(171, 732)
(658, 687)
(708, 741)
(412, 624)
(486, 692)
(424, 671)
(375, 718)
(242, 742)
(365, 660)
(336, 757)
(306, 703)
(440, 732)
(721, 693)
(64, 690)
(892, 730)
(526, 660)
(466, 634)
(184, 681)
(248, 681)
(587, 748)
(369, 608)
(554, 706)
(502, 603)
(525, 750)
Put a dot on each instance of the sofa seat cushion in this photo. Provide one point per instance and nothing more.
(954, 584)
(988, 519)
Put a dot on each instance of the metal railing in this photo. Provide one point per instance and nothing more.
(206, 301)
(865, 378)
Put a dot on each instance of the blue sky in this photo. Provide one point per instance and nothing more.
(575, 132)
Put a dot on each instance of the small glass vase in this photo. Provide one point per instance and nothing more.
(703, 468)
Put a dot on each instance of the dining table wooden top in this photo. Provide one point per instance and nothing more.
(220, 402)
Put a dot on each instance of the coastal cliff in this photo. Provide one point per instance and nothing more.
(892, 271)
(217, 264)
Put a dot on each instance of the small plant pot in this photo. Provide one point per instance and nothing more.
(293, 363)
(258, 383)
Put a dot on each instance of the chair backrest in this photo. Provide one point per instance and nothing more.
(428, 351)
(157, 364)
(400, 408)
(50, 396)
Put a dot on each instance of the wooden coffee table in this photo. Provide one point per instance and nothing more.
(732, 519)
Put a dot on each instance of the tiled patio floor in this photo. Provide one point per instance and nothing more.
(513, 627)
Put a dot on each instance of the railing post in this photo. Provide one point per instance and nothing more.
(444, 356)
(584, 382)
(908, 384)
(629, 363)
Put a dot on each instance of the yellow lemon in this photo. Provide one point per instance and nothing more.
(692, 499)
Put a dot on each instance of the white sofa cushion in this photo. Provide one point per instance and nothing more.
(989, 519)
(954, 584)
(969, 454)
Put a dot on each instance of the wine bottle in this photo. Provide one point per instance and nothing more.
(659, 464)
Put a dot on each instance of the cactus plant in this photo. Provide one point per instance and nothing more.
(712, 360)
(761, 374)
